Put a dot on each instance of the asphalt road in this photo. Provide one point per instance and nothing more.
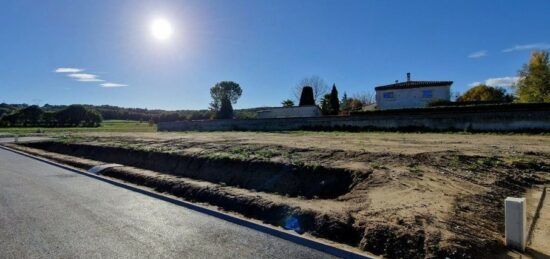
(49, 212)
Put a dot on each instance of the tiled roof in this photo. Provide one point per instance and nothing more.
(413, 84)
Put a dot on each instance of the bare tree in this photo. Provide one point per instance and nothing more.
(320, 88)
(366, 98)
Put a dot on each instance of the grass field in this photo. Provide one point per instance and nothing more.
(106, 126)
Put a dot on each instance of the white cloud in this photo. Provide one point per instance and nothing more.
(478, 54)
(112, 85)
(76, 74)
(474, 84)
(90, 80)
(502, 81)
(85, 77)
(528, 47)
(506, 81)
(68, 70)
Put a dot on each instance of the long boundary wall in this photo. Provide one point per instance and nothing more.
(518, 120)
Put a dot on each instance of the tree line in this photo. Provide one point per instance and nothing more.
(33, 116)
(533, 85)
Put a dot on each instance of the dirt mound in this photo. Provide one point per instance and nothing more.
(293, 180)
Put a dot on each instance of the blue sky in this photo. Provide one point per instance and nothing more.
(265, 46)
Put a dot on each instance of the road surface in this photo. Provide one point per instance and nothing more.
(49, 212)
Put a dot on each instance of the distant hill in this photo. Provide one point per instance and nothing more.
(109, 112)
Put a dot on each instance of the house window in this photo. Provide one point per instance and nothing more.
(427, 94)
(388, 95)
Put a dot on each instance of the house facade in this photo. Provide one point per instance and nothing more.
(412, 94)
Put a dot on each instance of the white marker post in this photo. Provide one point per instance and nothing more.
(515, 222)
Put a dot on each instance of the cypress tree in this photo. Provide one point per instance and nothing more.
(333, 101)
(307, 96)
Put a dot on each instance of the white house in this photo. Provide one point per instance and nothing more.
(412, 94)
(289, 112)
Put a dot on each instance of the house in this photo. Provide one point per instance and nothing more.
(412, 94)
(289, 112)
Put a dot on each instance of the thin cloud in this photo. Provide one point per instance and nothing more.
(506, 81)
(112, 85)
(528, 47)
(90, 80)
(85, 77)
(68, 70)
(75, 73)
(478, 54)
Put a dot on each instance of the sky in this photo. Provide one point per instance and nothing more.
(105, 52)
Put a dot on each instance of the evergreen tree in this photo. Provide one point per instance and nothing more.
(224, 94)
(226, 110)
(333, 101)
(325, 105)
(307, 96)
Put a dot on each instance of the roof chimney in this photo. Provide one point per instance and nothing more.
(408, 77)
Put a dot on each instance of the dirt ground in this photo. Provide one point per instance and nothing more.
(412, 195)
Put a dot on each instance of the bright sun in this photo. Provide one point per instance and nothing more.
(161, 29)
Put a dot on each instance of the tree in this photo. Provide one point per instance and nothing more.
(92, 118)
(345, 104)
(31, 115)
(334, 103)
(307, 97)
(366, 98)
(484, 93)
(287, 103)
(325, 105)
(316, 83)
(224, 94)
(76, 114)
(226, 110)
(534, 79)
(356, 104)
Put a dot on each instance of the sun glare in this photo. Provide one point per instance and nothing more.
(161, 29)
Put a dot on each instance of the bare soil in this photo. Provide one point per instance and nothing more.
(393, 194)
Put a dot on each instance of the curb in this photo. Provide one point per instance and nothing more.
(294, 238)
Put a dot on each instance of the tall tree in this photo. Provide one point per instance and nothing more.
(345, 104)
(318, 85)
(226, 110)
(534, 79)
(484, 93)
(306, 98)
(325, 104)
(224, 94)
(334, 102)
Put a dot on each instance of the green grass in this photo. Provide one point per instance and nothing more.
(106, 126)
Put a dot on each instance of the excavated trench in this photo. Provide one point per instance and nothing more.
(279, 178)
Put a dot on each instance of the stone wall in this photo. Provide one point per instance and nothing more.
(455, 119)
(289, 112)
